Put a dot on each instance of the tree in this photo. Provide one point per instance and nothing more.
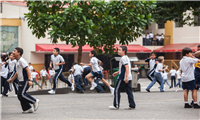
(174, 10)
(97, 23)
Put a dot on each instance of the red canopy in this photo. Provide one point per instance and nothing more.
(86, 48)
(177, 47)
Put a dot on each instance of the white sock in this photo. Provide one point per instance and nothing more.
(186, 102)
(93, 82)
(195, 102)
(111, 87)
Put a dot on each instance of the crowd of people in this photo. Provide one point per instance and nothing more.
(149, 38)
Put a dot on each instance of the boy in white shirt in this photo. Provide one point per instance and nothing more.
(165, 76)
(157, 74)
(124, 80)
(151, 37)
(187, 78)
(147, 39)
(178, 75)
(4, 73)
(96, 72)
(144, 37)
(33, 77)
(30, 67)
(43, 75)
(173, 76)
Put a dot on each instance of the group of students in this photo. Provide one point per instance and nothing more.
(149, 38)
(188, 74)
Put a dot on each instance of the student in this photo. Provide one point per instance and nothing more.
(71, 76)
(144, 37)
(153, 61)
(96, 72)
(43, 75)
(57, 61)
(157, 74)
(173, 76)
(33, 77)
(4, 74)
(77, 70)
(165, 77)
(51, 73)
(187, 78)
(151, 37)
(24, 76)
(86, 70)
(147, 38)
(11, 64)
(178, 75)
(162, 39)
(124, 80)
(30, 67)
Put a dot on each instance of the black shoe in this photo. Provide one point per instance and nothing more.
(192, 103)
(170, 87)
(147, 90)
(196, 106)
(162, 91)
(81, 91)
(187, 105)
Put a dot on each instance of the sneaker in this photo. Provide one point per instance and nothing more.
(113, 108)
(52, 92)
(29, 111)
(112, 90)
(196, 106)
(192, 103)
(2, 95)
(187, 105)
(147, 90)
(72, 87)
(93, 86)
(129, 108)
(36, 104)
(15, 95)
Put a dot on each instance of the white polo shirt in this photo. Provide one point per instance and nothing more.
(173, 72)
(30, 67)
(151, 35)
(51, 72)
(95, 64)
(164, 75)
(187, 68)
(11, 64)
(159, 67)
(21, 65)
(147, 36)
(43, 73)
(143, 36)
(122, 70)
(4, 71)
(78, 69)
(57, 59)
(33, 74)
(178, 73)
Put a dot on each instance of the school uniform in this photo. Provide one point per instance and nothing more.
(99, 85)
(96, 72)
(147, 39)
(151, 38)
(11, 73)
(152, 66)
(164, 75)
(58, 70)
(30, 68)
(197, 72)
(157, 77)
(24, 98)
(4, 83)
(77, 77)
(187, 77)
(86, 70)
(33, 77)
(43, 74)
(173, 77)
(178, 73)
(144, 37)
(122, 85)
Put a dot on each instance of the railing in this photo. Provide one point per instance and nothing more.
(171, 63)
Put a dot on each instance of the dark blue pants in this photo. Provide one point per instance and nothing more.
(15, 82)
(24, 98)
(62, 78)
(99, 86)
(4, 84)
(85, 72)
(173, 78)
(147, 40)
(118, 88)
(144, 41)
(78, 82)
(150, 74)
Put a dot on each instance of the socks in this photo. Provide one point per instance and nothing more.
(195, 102)
(186, 102)
(111, 87)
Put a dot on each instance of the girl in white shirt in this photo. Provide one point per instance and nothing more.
(173, 77)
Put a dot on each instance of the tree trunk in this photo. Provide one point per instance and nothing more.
(80, 51)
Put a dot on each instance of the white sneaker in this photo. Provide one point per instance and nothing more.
(113, 108)
(36, 104)
(129, 108)
(29, 111)
(15, 95)
(72, 87)
(93, 86)
(52, 92)
(112, 90)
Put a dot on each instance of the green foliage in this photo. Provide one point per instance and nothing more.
(97, 23)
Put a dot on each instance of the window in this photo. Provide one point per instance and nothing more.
(178, 23)
(161, 24)
(197, 20)
(0, 7)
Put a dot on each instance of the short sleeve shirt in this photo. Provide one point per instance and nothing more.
(159, 67)
(57, 59)
(33, 74)
(78, 70)
(21, 65)
(11, 64)
(187, 68)
(122, 70)
(178, 73)
(95, 64)
(173, 72)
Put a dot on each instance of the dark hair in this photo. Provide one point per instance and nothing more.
(20, 50)
(198, 46)
(186, 50)
(44, 67)
(29, 63)
(57, 49)
(94, 53)
(3, 57)
(172, 67)
(124, 48)
(9, 53)
(74, 63)
(33, 70)
(153, 53)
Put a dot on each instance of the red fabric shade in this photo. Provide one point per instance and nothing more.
(177, 47)
(86, 48)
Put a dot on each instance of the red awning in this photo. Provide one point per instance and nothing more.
(86, 48)
(177, 47)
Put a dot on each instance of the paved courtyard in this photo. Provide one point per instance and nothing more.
(94, 106)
